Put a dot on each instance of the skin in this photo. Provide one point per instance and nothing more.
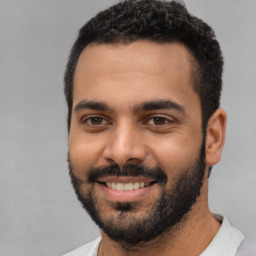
(124, 77)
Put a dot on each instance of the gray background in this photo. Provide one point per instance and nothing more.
(39, 213)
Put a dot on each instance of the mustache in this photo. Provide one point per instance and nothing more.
(134, 170)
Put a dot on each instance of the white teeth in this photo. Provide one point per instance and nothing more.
(120, 186)
(113, 185)
(125, 186)
(136, 185)
(128, 186)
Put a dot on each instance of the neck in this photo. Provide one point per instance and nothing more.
(190, 237)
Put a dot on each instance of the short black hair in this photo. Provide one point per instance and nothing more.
(161, 22)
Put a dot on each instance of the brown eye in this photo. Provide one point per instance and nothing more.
(95, 120)
(159, 121)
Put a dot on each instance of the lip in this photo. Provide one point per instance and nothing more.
(125, 179)
(125, 196)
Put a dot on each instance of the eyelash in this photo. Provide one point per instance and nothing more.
(163, 120)
(90, 118)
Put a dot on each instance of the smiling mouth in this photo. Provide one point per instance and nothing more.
(127, 186)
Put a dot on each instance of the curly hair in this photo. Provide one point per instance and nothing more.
(161, 22)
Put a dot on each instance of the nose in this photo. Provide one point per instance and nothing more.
(125, 145)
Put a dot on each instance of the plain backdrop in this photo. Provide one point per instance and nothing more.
(39, 213)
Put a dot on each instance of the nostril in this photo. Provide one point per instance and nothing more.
(110, 161)
(134, 161)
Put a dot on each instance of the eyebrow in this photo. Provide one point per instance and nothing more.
(144, 106)
(93, 105)
(158, 104)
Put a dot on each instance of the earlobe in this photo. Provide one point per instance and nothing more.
(215, 137)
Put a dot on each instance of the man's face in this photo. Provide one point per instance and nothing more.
(136, 147)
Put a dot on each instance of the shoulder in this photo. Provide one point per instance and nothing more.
(226, 241)
(89, 249)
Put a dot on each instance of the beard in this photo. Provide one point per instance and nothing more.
(172, 206)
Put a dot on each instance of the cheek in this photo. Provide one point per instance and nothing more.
(175, 153)
(84, 153)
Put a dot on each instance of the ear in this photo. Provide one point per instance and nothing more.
(215, 137)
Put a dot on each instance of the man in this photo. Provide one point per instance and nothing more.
(143, 85)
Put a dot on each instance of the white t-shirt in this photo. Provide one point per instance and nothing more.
(225, 243)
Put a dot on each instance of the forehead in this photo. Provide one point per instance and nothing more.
(141, 69)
